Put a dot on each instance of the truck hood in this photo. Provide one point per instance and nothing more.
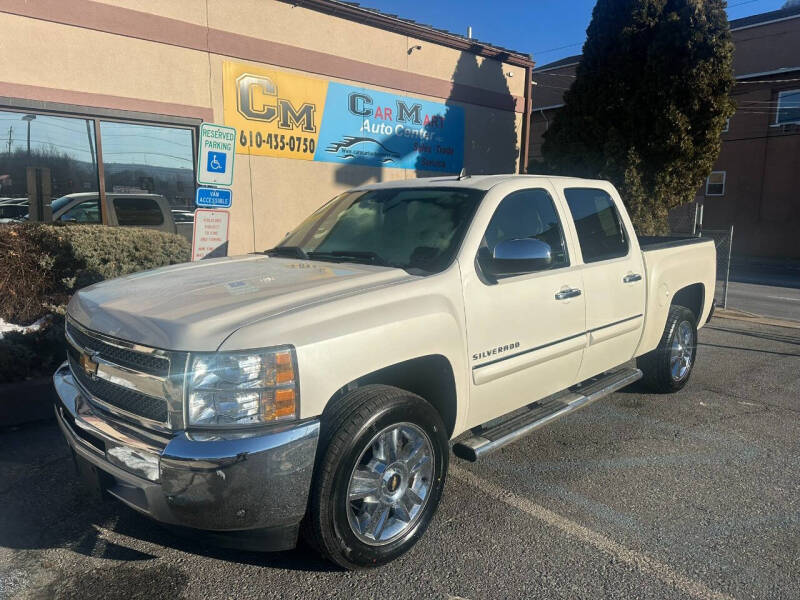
(195, 306)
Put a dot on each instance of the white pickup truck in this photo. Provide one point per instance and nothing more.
(319, 383)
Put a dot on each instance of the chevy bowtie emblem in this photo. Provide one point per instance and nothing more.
(89, 365)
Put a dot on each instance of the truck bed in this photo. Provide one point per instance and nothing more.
(657, 242)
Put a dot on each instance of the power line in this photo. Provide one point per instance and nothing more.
(760, 137)
(559, 48)
(553, 75)
(768, 81)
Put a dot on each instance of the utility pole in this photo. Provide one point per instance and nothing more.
(28, 119)
(10, 139)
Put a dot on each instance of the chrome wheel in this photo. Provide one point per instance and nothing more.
(682, 351)
(390, 484)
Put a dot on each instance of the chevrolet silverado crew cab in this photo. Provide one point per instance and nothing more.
(316, 386)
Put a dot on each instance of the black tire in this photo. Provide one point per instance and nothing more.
(347, 429)
(657, 365)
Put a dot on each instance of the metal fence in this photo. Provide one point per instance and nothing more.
(688, 220)
(723, 240)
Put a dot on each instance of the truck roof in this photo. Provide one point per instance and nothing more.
(475, 182)
(83, 195)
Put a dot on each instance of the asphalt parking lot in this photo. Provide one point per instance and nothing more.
(695, 495)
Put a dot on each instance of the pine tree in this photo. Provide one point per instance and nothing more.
(648, 103)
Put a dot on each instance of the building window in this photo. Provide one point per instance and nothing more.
(63, 147)
(149, 159)
(788, 107)
(715, 184)
(66, 155)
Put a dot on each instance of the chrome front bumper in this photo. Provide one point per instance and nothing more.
(236, 483)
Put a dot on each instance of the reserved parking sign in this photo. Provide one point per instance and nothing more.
(217, 151)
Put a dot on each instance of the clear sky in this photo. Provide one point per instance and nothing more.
(546, 29)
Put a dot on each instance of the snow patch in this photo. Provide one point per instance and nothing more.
(6, 327)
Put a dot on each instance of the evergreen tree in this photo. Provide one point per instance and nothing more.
(648, 103)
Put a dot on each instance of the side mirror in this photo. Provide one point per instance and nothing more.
(516, 257)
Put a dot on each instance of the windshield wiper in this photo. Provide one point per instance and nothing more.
(289, 251)
(352, 256)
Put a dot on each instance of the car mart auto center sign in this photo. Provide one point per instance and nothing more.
(283, 114)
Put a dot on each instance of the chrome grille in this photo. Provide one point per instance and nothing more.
(147, 363)
(120, 397)
(123, 378)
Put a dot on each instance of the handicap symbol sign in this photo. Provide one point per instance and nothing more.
(216, 154)
(216, 162)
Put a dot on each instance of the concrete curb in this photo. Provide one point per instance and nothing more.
(740, 315)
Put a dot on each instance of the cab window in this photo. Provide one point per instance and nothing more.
(87, 211)
(529, 214)
(600, 230)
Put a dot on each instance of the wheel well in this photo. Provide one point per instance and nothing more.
(430, 377)
(692, 297)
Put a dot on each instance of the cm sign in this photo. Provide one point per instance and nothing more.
(257, 99)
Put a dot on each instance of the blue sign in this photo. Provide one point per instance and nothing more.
(368, 127)
(213, 198)
(216, 162)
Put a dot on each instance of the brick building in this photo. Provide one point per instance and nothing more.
(755, 183)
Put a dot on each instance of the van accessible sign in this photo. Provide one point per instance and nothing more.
(215, 158)
(213, 197)
(282, 114)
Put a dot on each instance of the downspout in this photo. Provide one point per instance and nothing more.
(525, 143)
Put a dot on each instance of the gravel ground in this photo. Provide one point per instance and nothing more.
(695, 495)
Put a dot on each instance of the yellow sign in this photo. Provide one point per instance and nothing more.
(275, 113)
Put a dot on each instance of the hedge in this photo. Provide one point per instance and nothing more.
(34, 354)
(42, 265)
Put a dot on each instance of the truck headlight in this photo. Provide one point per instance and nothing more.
(242, 388)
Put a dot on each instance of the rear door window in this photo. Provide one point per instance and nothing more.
(600, 231)
(138, 212)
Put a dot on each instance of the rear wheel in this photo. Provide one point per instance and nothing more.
(668, 368)
(382, 466)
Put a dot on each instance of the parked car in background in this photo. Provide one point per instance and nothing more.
(321, 381)
(14, 209)
(150, 211)
(184, 222)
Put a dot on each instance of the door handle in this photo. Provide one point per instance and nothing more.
(631, 277)
(570, 293)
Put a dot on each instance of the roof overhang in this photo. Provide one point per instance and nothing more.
(374, 18)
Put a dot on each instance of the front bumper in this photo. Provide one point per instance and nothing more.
(249, 489)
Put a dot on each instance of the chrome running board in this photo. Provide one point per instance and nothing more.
(499, 432)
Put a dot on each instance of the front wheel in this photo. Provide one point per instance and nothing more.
(668, 368)
(383, 462)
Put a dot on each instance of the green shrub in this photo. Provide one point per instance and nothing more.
(34, 354)
(42, 265)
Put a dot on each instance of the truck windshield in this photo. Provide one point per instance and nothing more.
(409, 228)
